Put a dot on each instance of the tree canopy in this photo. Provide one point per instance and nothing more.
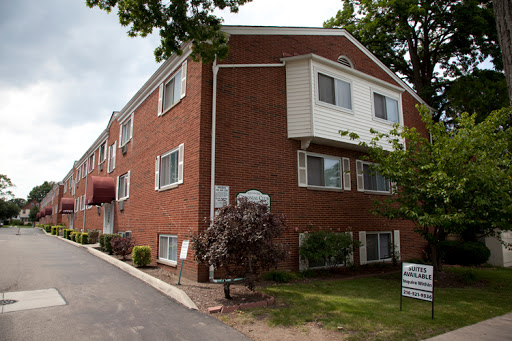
(5, 184)
(8, 209)
(178, 21)
(426, 42)
(502, 10)
(459, 182)
(39, 192)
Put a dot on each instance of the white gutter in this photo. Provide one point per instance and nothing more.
(215, 69)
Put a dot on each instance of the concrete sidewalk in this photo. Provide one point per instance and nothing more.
(497, 328)
(165, 288)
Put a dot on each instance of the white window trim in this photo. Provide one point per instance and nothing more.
(121, 125)
(114, 151)
(77, 204)
(164, 260)
(91, 164)
(396, 97)
(82, 202)
(183, 81)
(303, 171)
(360, 179)
(100, 161)
(181, 158)
(78, 177)
(127, 187)
(329, 105)
(395, 240)
(84, 169)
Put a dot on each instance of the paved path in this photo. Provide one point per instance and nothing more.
(102, 301)
(498, 328)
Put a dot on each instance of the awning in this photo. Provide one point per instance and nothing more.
(67, 205)
(100, 189)
(41, 213)
(47, 210)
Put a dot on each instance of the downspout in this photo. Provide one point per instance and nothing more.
(215, 69)
(85, 206)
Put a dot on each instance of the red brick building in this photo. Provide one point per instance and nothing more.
(265, 119)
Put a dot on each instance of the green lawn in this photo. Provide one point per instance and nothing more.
(369, 308)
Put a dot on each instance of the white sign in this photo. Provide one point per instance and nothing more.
(184, 249)
(254, 195)
(221, 196)
(418, 276)
(418, 294)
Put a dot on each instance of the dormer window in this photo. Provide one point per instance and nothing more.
(344, 60)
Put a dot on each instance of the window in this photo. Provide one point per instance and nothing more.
(125, 134)
(65, 187)
(102, 153)
(77, 202)
(316, 170)
(78, 177)
(378, 246)
(91, 163)
(334, 91)
(385, 108)
(84, 169)
(123, 186)
(370, 180)
(169, 168)
(168, 248)
(82, 202)
(173, 91)
(112, 157)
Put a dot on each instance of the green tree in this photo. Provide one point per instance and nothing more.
(481, 92)
(39, 192)
(426, 42)
(5, 184)
(20, 202)
(32, 215)
(242, 242)
(460, 181)
(502, 11)
(178, 21)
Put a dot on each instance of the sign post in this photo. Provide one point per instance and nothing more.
(183, 256)
(418, 283)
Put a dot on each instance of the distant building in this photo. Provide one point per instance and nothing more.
(25, 211)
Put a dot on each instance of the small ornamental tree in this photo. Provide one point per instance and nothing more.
(241, 241)
(122, 246)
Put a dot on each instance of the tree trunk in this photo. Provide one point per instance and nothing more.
(503, 14)
(226, 290)
(436, 257)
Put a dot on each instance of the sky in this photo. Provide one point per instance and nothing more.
(64, 68)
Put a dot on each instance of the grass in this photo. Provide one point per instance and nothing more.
(369, 308)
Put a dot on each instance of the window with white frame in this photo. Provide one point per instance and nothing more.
(169, 168)
(323, 171)
(386, 108)
(65, 186)
(112, 157)
(91, 162)
(123, 186)
(77, 204)
(126, 132)
(168, 248)
(84, 169)
(102, 153)
(82, 202)
(78, 177)
(378, 245)
(334, 91)
(172, 91)
(369, 179)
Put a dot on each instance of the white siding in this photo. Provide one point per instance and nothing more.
(299, 99)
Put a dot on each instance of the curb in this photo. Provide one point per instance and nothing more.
(169, 290)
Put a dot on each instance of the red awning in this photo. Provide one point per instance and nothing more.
(47, 210)
(100, 189)
(41, 213)
(67, 205)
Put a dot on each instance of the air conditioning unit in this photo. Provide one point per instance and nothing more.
(123, 149)
(101, 167)
(128, 234)
(122, 234)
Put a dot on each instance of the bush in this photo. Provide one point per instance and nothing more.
(106, 242)
(464, 253)
(101, 239)
(84, 238)
(67, 233)
(327, 248)
(55, 230)
(122, 246)
(78, 237)
(72, 236)
(48, 228)
(15, 222)
(141, 255)
(279, 276)
(93, 236)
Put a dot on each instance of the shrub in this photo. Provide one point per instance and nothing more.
(67, 233)
(78, 237)
(55, 230)
(93, 236)
(141, 255)
(83, 238)
(327, 248)
(73, 235)
(101, 239)
(464, 253)
(47, 228)
(106, 241)
(279, 276)
(121, 246)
